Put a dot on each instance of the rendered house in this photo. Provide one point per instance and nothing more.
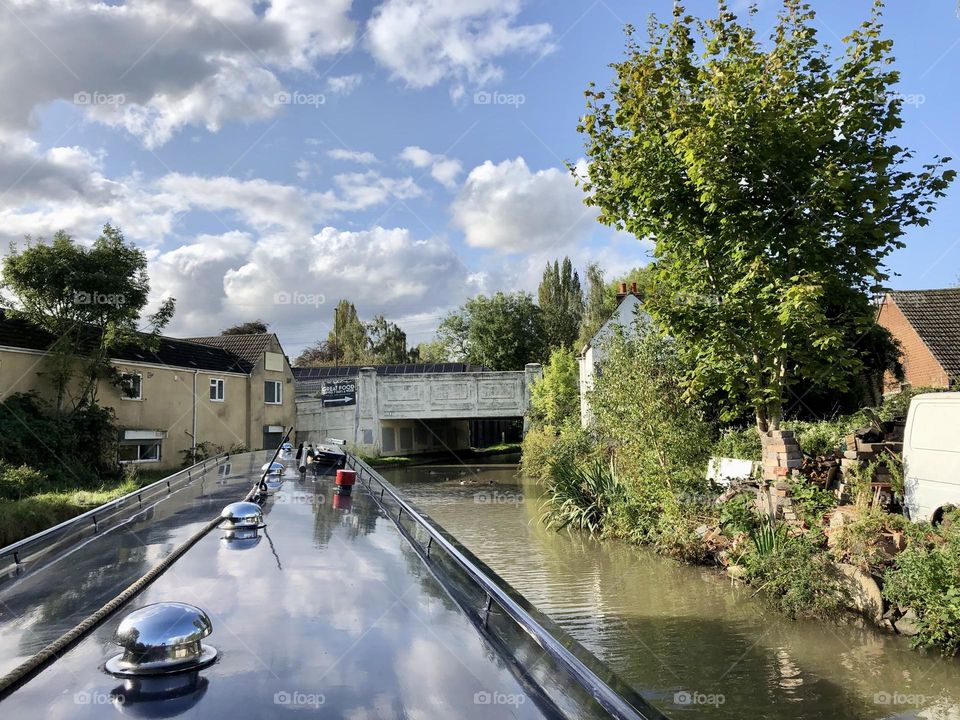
(592, 354)
(184, 393)
(926, 323)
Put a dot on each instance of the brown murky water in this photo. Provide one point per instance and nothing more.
(692, 643)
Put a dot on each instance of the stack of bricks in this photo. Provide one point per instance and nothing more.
(781, 455)
(781, 494)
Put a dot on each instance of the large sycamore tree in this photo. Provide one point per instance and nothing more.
(768, 177)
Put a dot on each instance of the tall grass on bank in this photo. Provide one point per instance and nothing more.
(580, 496)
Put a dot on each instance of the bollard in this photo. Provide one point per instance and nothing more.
(345, 481)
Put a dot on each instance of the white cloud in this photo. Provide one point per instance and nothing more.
(65, 188)
(292, 281)
(362, 190)
(425, 41)
(443, 169)
(170, 63)
(344, 84)
(304, 168)
(509, 208)
(365, 158)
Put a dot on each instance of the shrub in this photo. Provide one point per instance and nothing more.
(796, 574)
(858, 542)
(742, 443)
(811, 501)
(76, 450)
(823, 437)
(19, 482)
(739, 514)
(927, 579)
(640, 411)
(546, 445)
(897, 405)
(555, 398)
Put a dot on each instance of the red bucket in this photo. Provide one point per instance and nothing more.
(346, 477)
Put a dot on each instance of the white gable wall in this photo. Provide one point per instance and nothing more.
(593, 352)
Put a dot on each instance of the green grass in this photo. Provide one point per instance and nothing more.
(391, 461)
(22, 518)
(499, 448)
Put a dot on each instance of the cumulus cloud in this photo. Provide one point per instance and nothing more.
(425, 41)
(65, 188)
(344, 84)
(170, 63)
(270, 242)
(29, 175)
(442, 169)
(365, 158)
(293, 281)
(507, 207)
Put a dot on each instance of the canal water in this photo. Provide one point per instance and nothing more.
(686, 638)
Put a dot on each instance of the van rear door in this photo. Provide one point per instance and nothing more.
(931, 454)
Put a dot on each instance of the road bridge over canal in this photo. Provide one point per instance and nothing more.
(409, 409)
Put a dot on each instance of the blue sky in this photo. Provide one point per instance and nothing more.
(275, 157)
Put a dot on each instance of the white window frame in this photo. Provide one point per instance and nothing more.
(221, 385)
(158, 444)
(124, 395)
(278, 395)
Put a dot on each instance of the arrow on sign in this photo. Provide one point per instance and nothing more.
(338, 400)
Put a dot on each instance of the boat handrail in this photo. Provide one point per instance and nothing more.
(607, 697)
(15, 548)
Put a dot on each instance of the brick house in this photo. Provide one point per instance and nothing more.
(926, 323)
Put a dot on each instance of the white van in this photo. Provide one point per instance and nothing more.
(931, 455)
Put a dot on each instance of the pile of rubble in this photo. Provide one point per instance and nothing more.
(880, 441)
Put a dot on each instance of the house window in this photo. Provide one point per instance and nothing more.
(131, 386)
(272, 392)
(216, 389)
(139, 452)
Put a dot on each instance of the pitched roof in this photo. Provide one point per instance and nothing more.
(249, 347)
(18, 333)
(935, 315)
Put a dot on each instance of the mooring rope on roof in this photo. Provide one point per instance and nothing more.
(54, 650)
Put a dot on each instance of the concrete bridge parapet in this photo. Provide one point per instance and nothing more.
(417, 412)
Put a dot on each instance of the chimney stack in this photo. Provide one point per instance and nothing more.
(633, 288)
(622, 292)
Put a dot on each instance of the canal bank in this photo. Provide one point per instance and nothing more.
(683, 636)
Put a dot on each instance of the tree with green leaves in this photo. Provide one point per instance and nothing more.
(251, 327)
(642, 276)
(349, 335)
(637, 403)
(600, 304)
(561, 302)
(768, 179)
(432, 351)
(502, 332)
(320, 354)
(555, 397)
(387, 343)
(91, 299)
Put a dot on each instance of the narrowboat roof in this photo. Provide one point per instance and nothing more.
(333, 608)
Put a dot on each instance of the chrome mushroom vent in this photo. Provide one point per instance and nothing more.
(161, 639)
(242, 539)
(242, 516)
(273, 468)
